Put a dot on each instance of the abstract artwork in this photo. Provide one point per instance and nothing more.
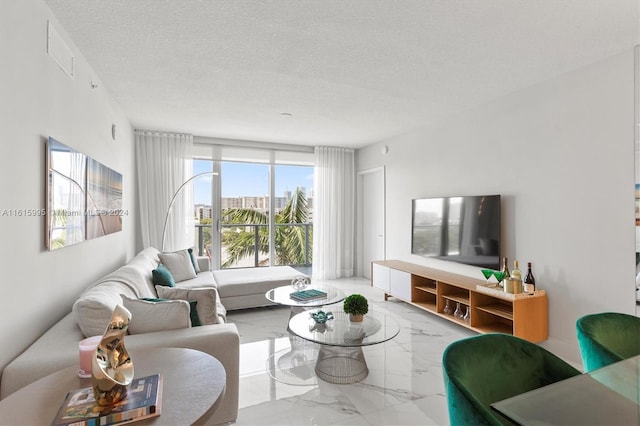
(104, 200)
(65, 195)
(84, 197)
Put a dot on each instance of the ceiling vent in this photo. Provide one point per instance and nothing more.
(59, 51)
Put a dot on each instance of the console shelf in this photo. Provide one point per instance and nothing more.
(498, 309)
(427, 289)
(427, 306)
(461, 298)
(491, 310)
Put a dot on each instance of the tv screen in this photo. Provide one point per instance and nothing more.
(461, 229)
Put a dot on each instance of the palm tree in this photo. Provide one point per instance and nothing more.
(290, 240)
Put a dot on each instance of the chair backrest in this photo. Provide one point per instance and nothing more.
(606, 338)
(484, 369)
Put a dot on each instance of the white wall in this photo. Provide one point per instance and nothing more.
(38, 100)
(561, 153)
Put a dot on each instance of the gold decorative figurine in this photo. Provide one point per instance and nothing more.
(112, 368)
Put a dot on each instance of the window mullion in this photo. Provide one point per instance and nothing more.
(216, 209)
(272, 209)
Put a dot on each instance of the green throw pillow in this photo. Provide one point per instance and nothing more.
(162, 276)
(193, 311)
(195, 318)
(193, 261)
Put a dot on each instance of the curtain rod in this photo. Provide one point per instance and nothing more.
(203, 140)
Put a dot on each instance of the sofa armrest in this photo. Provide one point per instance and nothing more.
(54, 350)
(203, 263)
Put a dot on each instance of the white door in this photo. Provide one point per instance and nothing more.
(371, 239)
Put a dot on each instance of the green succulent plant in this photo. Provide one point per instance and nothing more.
(356, 304)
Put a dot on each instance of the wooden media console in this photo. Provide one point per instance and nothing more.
(491, 309)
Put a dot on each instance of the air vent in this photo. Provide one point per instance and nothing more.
(59, 51)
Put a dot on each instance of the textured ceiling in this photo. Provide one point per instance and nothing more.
(350, 72)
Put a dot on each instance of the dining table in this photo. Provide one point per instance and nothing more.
(606, 396)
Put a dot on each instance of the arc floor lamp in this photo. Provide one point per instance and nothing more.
(175, 196)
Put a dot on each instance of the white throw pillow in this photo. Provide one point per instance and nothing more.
(206, 298)
(147, 316)
(179, 264)
(94, 307)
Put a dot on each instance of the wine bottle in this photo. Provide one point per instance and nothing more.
(515, 272)
(505, 267)
(529, 281)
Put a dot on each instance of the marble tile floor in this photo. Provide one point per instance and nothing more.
(404, 385)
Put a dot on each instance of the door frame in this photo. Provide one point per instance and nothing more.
(360, 215)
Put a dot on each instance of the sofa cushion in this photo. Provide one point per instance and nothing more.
(193, 311)
(179, 264)
(94, 306)
(206, 297)
(162, 276)
(93, 309)
(144, 262)
(152, 315)
(204, 279)
(248, 281)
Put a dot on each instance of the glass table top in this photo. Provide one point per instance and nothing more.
(282, 296)
(340, 331)
(607, 396)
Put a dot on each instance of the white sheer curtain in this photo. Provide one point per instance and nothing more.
(164, 162)
(333, 213)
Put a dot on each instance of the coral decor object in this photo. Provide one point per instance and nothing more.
(321, 317)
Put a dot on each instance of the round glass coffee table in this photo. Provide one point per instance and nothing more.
(282, 296)
(294, 365)
(340, 359)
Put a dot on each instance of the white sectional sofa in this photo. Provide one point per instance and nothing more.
(161, 324)
(58, 347)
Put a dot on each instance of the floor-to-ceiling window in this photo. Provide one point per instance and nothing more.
(253, 206)
(245, 215)
(294, 214)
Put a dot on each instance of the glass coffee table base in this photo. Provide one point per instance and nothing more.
(294, 365)
(293, 311)
(341, 365)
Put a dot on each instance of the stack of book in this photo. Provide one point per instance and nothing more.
(143, 400)
(307, 295)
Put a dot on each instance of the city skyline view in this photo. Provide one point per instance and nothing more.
(250, 179)
(245, 235)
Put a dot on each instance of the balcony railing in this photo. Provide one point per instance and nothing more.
(203, 238)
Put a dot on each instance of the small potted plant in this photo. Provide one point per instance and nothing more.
(356, 306)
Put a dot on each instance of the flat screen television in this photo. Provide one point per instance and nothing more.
(460, 229)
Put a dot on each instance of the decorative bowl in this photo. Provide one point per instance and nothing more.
(321, 317)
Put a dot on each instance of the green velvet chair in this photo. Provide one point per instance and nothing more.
(606, 338)
(487, 368)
